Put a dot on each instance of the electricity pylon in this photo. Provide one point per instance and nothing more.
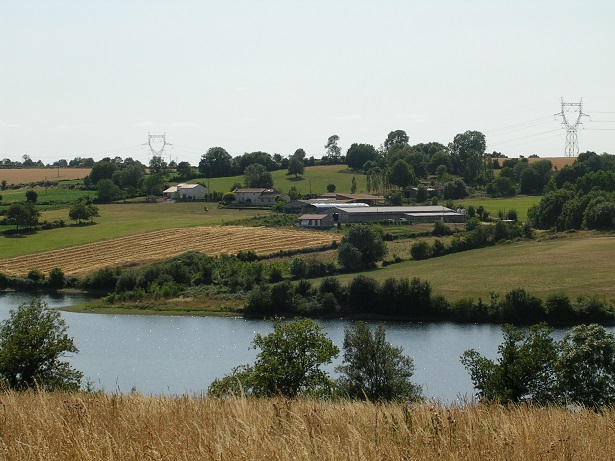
(572, 140)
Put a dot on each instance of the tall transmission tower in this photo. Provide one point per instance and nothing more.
(572, 140)
(157, 143)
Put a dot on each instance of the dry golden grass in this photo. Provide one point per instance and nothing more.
(28, 175)
(159, 245)
(89, 427)
(558, 162)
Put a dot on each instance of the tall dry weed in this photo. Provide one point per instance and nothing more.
(38, 426)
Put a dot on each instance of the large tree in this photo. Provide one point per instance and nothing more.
(524, 370)
(362, 243)
(215, 163)
(33, 342)
(82, 211)
(295, 166)
(256, 175)
(22, 215)
(397, 139)
(290, 363)
(374, 369)
(586, 366)
(467, 154)
(359, 154)
(401, 174)
(334, 152)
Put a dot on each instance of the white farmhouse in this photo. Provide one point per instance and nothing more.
(185, 191)
(258, 196)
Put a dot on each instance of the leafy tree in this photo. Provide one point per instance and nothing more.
(330, 187)
(467, 154)
(215, 163)
(81, 212)
(401, 174)
(367, 241)
(184, 170)
(397, 138)
(31, 196)
(288, 364)
(524, 370)
(263, 158)
(353, 185)
(102, 170)
(157, 165)
(440, 158)
(56, 278)
(296, 167)
(228, 197)
(349, 257)
(294, 193)
(586, 366)
(256, 175)
(359, 154)
(334, 152)
(22, 215)
(153, 184)
(32, 343)
(373, 368)
(108, 191)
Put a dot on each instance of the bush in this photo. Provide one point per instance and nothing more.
(420, 250)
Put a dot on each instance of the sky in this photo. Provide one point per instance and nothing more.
(85, 78)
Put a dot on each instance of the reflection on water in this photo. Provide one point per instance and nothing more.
(177, 355)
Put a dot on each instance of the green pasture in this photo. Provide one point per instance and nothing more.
(51, 194)
(521, 203)
(576, 265)
(119, 220)
(314, 180)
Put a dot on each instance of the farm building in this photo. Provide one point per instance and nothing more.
(258, 196)
(368, 199)
(346, 214)
(185, 191)
(425, 214)
(316, 220)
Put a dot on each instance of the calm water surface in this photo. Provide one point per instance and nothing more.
(177, 355)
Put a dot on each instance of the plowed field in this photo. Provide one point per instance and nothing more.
(157, 246)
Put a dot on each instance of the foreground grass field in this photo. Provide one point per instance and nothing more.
(576, 264)
(92, 427)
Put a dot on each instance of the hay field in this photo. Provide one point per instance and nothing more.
(150, 247)
(92, 427)
(28, 175)
(558, 162)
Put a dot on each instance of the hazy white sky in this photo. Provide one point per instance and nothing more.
(92, 78)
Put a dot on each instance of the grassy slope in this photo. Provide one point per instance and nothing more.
(521, 203)
(580, 264)
(316, 176)
(117, 220)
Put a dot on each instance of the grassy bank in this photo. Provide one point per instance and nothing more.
(576, 264)
(521, 203)
(91, 427)
(314, 180)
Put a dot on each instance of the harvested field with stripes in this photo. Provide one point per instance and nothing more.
(156, 246)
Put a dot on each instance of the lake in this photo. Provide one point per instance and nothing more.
(184, 354)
